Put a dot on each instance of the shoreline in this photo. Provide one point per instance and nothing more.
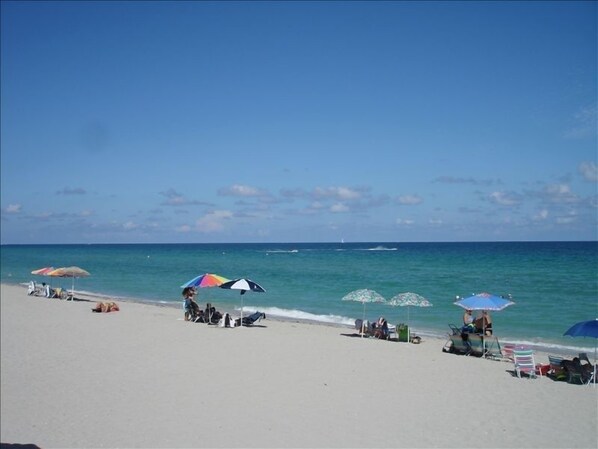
(541, 347)
(142, 377)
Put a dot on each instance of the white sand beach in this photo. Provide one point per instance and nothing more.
(143, 378)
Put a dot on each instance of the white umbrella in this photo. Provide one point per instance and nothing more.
(409, 299)
(364, 295)
(245, 285)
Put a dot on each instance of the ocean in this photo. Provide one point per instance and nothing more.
(553, 284)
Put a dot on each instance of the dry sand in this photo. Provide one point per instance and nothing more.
(142, 377)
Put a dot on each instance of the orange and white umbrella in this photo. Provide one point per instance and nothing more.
(69, 272)
(43, 271)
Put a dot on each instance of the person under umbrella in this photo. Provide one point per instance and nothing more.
(244, 285)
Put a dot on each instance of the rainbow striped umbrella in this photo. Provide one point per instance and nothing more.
(205, 280)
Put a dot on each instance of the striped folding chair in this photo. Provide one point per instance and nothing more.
(524, 362)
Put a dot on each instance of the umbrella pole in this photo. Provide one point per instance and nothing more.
(408, 326)
(595, 350)
(73, 290)
(363, 321)
(241, 311)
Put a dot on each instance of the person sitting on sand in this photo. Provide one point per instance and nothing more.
(381, 328)
(211, 314)
(105, 307)
(190, 306)
(483, 324)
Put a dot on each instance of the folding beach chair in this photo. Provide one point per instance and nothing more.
(524, 362)
(253, 318)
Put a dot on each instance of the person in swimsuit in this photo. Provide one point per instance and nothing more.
(468, 322)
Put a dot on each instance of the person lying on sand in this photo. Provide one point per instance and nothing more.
(105, 307)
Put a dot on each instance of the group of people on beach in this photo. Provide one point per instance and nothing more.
(46, 291)
(210, 315)
(480, 325)
(194, 313)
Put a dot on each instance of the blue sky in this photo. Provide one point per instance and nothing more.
(145, 122)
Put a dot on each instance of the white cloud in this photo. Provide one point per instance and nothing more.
(129, 225)
(339, 208)
(405, 222)
(560, 193)
(213, 221)
(504, 198)
(174, 198)
(183, 228)
(541, 215)
(435, 222)
(409, 200)
(340, 193)
(240, 190)
(567, 219)
(13, 209)
(584, 124)
(589, 171)
(69, 191)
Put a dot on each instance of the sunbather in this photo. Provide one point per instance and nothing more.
(105, 307)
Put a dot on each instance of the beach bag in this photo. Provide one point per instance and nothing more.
(226, 321)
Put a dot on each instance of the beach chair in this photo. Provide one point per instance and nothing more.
(485, 346)
(460, 345)
(556, 370)
(454, 329)
(524, 363)
(576, 372)
(588, 368)
(392, 330)
(253, 318)
(507, 351)
(34, 289)
(476, 345)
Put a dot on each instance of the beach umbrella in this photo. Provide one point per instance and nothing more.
(484, 301)
(409, 299)
(69, 272)
(43, 271)
(586, 329)
(40, 272)
(205, 280)
(364, 296)
(244, 285)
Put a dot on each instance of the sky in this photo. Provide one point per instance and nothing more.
(218, 122)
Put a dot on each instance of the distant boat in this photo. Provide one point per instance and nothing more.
(342, 240)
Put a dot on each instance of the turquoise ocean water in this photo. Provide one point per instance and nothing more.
(553, 284)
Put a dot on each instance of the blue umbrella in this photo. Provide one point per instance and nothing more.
(586, 329)
(484, 301)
